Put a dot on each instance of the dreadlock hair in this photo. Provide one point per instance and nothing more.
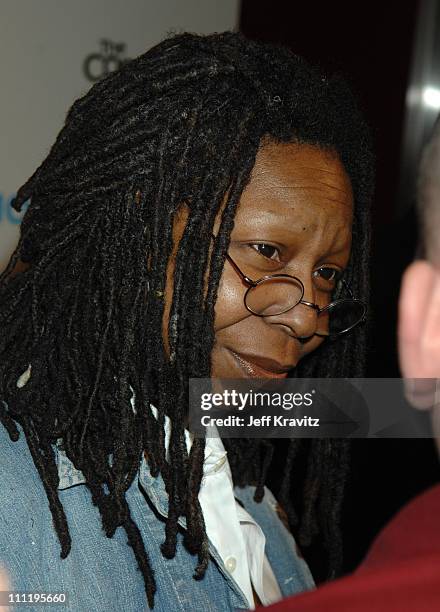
(182, 122)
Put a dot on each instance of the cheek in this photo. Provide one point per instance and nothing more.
(229, 307)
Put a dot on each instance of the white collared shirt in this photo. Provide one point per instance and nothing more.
(238, 539)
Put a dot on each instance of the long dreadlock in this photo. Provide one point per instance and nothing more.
(182, 122)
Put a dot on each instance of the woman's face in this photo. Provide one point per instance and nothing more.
(294, 217)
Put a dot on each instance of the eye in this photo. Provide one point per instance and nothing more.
(267, 250)
(327, 277)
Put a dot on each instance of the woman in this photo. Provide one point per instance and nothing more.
(203, 160)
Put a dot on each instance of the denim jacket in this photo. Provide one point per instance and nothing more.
(100, 574)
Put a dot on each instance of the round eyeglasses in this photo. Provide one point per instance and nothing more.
(275, 294)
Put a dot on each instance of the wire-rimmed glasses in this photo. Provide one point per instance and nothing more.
(275, 294)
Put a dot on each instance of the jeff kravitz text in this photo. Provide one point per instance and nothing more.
(267, 420)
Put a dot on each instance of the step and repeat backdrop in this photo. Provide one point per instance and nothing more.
(52, 51)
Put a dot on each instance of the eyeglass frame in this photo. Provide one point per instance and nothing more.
(252, 284)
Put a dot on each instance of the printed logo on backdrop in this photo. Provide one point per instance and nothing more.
(7, 213)
(109, 58)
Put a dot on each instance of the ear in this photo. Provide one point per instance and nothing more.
(419, 330)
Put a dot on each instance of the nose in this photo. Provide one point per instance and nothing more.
(302, 320)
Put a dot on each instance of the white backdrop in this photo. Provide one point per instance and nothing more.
(51, 52)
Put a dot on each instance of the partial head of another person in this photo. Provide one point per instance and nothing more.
(419, 305)
(419, 301)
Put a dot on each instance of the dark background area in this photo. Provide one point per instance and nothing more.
(371, 43)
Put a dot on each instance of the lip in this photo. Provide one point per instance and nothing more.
(261, 367)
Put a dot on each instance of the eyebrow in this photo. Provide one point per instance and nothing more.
(284, 236)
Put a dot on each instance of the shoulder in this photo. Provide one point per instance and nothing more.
(20, 482)
(413, 532)
(23, 507)
(14, 456)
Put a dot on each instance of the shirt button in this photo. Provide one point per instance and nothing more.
(231, 564)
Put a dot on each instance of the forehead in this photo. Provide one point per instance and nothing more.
(294, 181)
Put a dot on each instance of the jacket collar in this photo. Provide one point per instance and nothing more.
(215, 458)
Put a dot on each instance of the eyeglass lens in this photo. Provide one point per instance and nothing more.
(277, 295)
(274, 296)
